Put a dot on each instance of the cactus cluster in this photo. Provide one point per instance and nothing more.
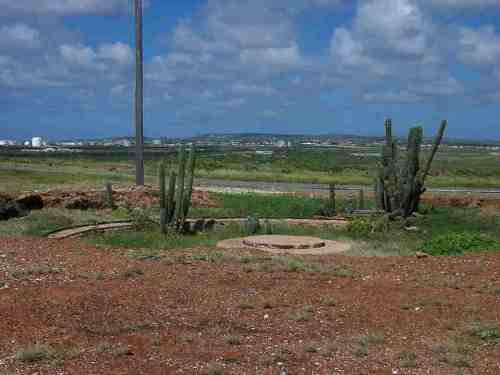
(401, 179)
(176, 201)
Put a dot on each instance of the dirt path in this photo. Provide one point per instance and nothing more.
(101, 312)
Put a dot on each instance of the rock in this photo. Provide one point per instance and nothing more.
(80, 203)
(198, 225)
(252, 225)
(30, 201)
(421, 255)
(11, 209)
(209, 225)
(412, 229)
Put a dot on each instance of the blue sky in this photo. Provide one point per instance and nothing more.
(289, 66)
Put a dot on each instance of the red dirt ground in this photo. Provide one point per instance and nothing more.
(142, 196)
(387, 316)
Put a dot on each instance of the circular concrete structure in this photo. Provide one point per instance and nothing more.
(283, 242)
(278, 244)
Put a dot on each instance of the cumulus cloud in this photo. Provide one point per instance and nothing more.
(465, 3)
(253, 89)
(280, 58)
(62, 7)
(82, 55)
(118, 52)
(396, 40)
(402, 96)
(19, 35)
(479, 46)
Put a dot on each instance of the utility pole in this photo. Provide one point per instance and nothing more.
(139, 95)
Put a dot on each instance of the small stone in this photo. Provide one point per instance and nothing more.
(412, 229)
(421, 255)
(30, 201)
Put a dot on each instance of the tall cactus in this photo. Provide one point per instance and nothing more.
(108, 194)
(163, 199)
(176, 202)
(179, 194)
(400, 182)
(191, 165)
(170, 199)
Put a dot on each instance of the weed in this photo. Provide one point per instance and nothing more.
(311, 348)
(459, 243)
(329, 301)
(371, 338)
(408, 359)
(233, 340)
(215, 369)
(34, 353)
(40, 270)
(304, 314)
(247, 304)
(361, 351)
(132, 272)
(187, 338)
(330, 349)
(486, 331)
(457, 360)
(113, 349)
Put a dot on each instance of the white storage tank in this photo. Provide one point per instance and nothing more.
(36, 142)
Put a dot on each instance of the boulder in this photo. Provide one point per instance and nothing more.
(30, 201)
(80, 203)
(10, 209)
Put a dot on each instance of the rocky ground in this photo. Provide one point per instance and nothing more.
(69, 308)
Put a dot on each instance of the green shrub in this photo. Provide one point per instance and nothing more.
(459, 243)
(360, 226)
(42, 223)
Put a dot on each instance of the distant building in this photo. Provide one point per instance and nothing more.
(280, 143)
(36, 142)
(7, 142)
(123, 142)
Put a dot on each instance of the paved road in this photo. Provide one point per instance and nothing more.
(286, 187)
(309, 187)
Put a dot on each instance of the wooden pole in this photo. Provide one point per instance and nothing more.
(139, 95)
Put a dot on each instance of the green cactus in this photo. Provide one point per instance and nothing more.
(170, 200)
(361, 199)
(400, 182)
(176, 201)
(163, 197)
(110, 203)
(191, 165)
(179, 194)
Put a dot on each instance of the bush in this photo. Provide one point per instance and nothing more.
(363, 226)
(459, 243)
(360, 226)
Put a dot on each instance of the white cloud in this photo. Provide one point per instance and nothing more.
(232, 103)
(120, 53)
(481, 46)
(63, 7)
(402, 96)
(107, 53)
(78, 54)
(392, 40)
(19, 35)
(253, 89)
(280, 58)
(465, 3)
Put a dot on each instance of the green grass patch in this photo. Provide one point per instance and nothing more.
(459, 243)
(40, 223)
(40, 270)
(262, 205)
